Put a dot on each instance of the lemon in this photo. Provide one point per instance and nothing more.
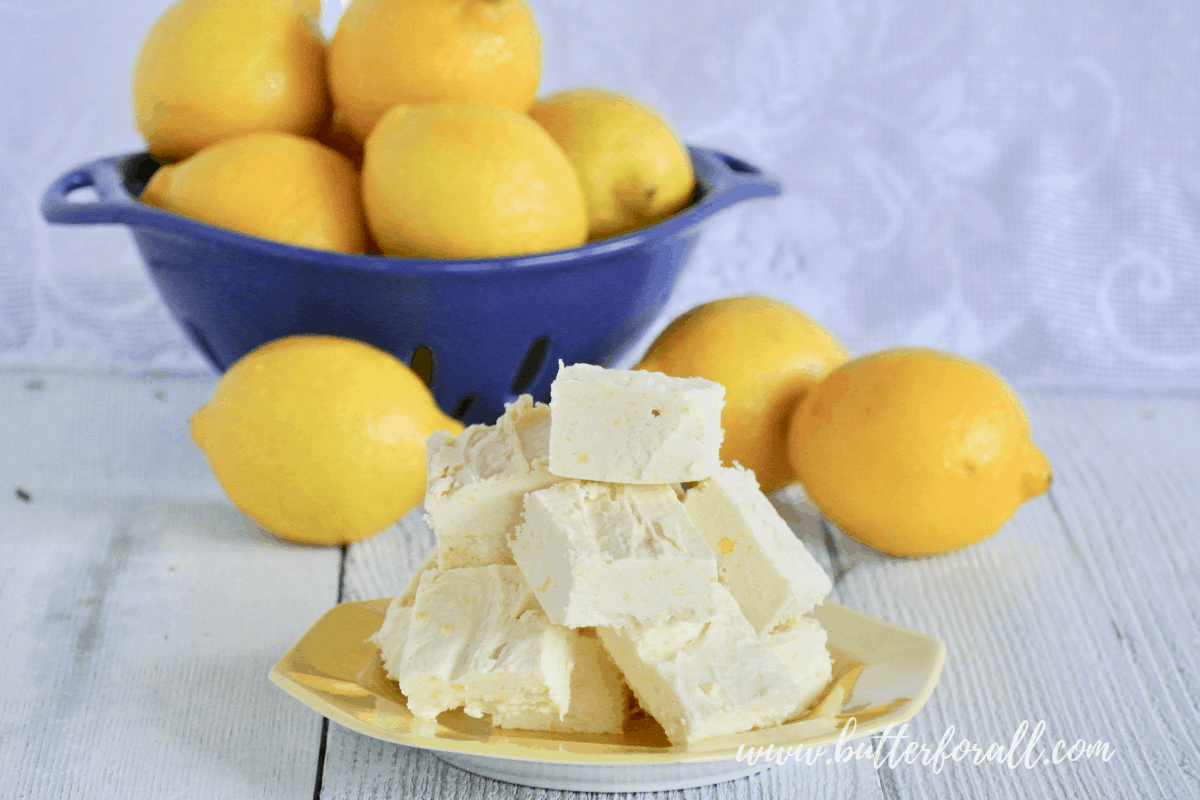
(468, 180)
(915, 451)
(633, 168)
(320, 439)
(212, 69)
(399, 52)
(766, 354)
(274, 185)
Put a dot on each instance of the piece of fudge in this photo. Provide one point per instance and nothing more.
(409, 594)
(391, 636)
(759, 559)
(477, 639)
(633, 426)
(393, 633)
(604, 554)
(600, 699)
(800, 642)
(477, 480)
(702, 679)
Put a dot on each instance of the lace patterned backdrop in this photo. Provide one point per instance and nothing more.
(1018, 181)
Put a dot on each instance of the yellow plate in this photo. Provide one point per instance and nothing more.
(883, 674)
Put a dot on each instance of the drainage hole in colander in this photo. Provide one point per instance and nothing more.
(531, 365)
(463, 407)
(422, 364)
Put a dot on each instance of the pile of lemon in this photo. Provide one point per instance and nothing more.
(413, 132)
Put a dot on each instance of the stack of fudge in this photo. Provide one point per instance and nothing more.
(574, 572)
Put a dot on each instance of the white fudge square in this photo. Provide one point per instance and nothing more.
(393, 633)
(633, 426)
(391, 636)
(702, 679)
(478, 639)
(478, 479)
(600, 699)
(604, 554)
(759, 559)
(800, 642)
(409, 595)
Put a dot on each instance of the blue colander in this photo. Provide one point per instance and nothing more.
(481, 331)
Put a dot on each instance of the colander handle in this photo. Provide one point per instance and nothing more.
(733, 179)
(113, 203)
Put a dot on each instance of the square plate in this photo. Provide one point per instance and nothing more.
(335, 671)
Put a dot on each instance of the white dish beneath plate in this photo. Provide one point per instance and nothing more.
(603, 777)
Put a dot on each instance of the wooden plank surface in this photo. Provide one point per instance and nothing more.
(138, 614)
(1128, 496)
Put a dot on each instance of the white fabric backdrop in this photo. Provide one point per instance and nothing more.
(1015, 180)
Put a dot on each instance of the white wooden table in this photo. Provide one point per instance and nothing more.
(139, 615)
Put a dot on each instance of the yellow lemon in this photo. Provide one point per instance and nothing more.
(633, 169)
(915, 451)
(398, 52)
(320, 439)
(274, 185)
(212, 69)
(766, 354)
(467, 180)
